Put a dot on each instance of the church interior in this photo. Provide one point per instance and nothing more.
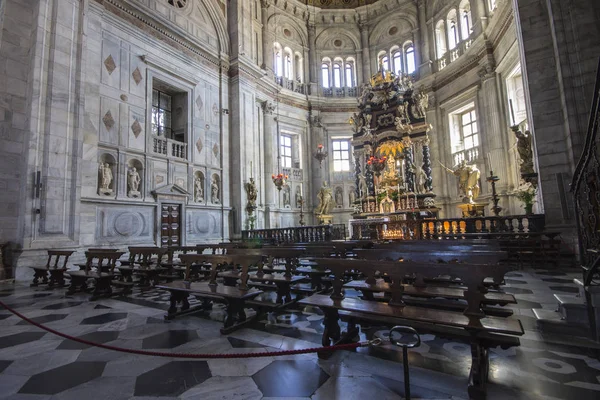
(303, 199)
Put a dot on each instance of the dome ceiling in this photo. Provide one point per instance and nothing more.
(339, 3)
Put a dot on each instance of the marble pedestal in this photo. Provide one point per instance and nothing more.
(470, 210)
(325, 219)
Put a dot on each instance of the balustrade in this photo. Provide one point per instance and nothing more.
(169, 147)
(299, 234)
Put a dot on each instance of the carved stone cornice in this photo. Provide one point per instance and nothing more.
(150, 25)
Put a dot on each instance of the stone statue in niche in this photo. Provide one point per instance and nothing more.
(107, 177)
(339, 197)
(199, 189)
(133, 180)
(351, 197)
(325, 197)
(298, 197)
(363, 190)
(286, 196)
(214, 191)
(525, 151)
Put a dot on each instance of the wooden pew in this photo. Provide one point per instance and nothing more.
(102, 261)
(55, 267)
(473, 325)
(144, 262)
(234, 297)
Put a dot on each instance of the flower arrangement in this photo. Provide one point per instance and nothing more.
(527, 195)
(279, 180)
(376, 164)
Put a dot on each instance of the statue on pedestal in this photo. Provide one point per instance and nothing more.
(286, 196)
(468, 180)
(525, 151)
(325, 197)
(214, 191)
(133, 180)
(199, 189)
(107, 178)
(252, 194)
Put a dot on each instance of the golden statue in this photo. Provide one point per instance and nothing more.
(468, 180)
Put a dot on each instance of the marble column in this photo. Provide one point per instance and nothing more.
(366, 53)
(423, 50)
(478, 16)
(267, 40)
(270, 140)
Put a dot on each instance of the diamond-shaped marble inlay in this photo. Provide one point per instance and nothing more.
(108, 120)
(110, 65)
(20, 338)
(62, 378)
(302, 378)
(169, 339)
(216, 150)
(103, 318)
(199, 103)
(199, 145)
(136, 128)
(137, 76)
(172, 379)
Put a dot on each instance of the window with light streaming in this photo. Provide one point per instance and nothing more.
(337, 75)
(470, 133)
(397, 61)
(410, 58)
(341, 155)
(286, 151)
(349, 75)
(161, 114)
(325, 75)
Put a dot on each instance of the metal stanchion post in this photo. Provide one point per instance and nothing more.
(398, 336)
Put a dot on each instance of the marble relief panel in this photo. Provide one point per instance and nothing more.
(199, 149)
(109, 117)
(203, 224)
(159, 174)
(180, 177)
(137, 75)
(124, 222)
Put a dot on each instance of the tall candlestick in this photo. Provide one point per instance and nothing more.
(251, 170)
(489, 160)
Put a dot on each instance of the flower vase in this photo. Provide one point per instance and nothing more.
(528, 208)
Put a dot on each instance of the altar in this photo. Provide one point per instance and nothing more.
(393, 172)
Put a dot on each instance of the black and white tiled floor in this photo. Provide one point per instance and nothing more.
(39, 365)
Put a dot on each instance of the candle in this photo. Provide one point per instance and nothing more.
(512, 112)
(489, 160)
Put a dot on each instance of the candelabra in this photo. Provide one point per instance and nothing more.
(493, 179)
(301, 201)
(320, 155)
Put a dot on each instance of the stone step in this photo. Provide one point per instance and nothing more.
(549, 321)
(572, 308)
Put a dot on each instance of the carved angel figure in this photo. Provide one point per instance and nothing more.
(325, 197)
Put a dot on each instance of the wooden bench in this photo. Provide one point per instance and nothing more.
(473, 325)
(103, 261)
(55, 267)
(234, 297)
(145, 262)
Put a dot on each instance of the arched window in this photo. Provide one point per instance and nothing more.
(325, 75)
(337, 75)
(287, 64)
(350, 82)
(298, 68)
(396, 60)
(452, 30)
(466, 21)
(277, 60)
(409, 51)
(440, 39)
(492, 5)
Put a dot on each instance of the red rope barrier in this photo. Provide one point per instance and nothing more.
(348, 346)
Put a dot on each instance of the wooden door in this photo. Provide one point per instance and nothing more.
(170, 225)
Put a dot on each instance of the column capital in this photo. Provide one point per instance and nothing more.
(487, 71)
(265, 3)
(267, 107)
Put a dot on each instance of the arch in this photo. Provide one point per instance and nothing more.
(213, 10)
(466, 21)
(279, 20)
(453, 33)
(299, 67)
(440, 39)
(409, 57)
(339, 33)
(277, 59)
(399, 19)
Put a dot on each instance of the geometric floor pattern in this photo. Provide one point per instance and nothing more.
(39, 365)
